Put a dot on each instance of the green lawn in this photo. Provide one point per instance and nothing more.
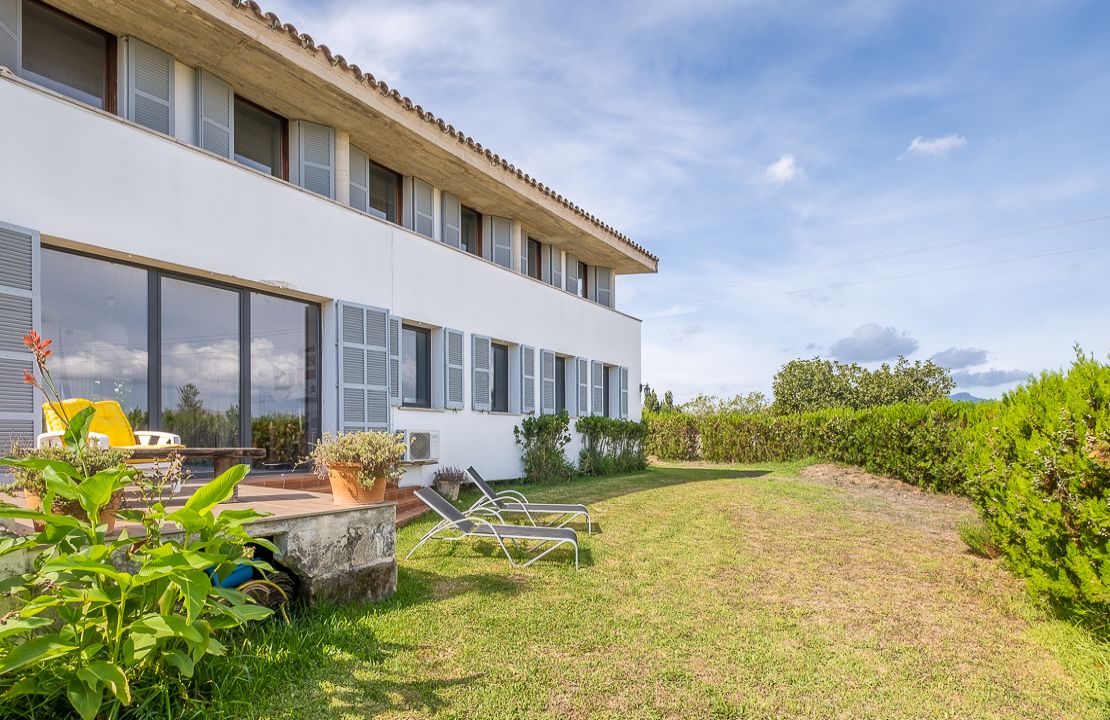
(708, 592)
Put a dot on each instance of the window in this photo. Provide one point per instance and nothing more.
(607, 412)
(499, 395)
(221, 349)
(560, 384)
(259, 138)
(534, 258)
(583, 285)
(96, 314)
(385, 191)
(471, 231)
(68, 56)
(416, 370)
(283, 378)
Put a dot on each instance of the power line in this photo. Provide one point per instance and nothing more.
(834, 286)
(907, 252)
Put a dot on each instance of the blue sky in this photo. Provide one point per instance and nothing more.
(853, 180)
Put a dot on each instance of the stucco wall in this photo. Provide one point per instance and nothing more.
(77, 176)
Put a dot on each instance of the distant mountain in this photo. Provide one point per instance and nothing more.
(966, 397)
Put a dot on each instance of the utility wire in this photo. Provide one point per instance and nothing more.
(908, 252)
(834, 286)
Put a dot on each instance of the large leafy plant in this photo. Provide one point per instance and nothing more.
(378, 454)
(543, 440)
(106, 623)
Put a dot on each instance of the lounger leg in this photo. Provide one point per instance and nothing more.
(428, 536)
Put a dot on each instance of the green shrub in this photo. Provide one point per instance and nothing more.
(1041, 470)
(103, 624)
(543, 440)
(977, 536)
(611, 446)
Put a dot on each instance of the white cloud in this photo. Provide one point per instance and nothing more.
(955, 358)
(935, 147)
(872, 342)
(784, 170)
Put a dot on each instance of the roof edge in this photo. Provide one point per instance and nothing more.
(338, 61)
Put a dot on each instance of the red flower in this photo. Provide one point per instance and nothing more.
(29, 378)
(39, 346)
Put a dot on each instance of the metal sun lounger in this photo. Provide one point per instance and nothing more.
(511, 501)
(470, 526)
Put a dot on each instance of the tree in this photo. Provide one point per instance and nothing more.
(816, 384)
(651, 400)
(668, 402)
(753, 403)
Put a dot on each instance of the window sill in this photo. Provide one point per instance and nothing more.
(504, 414)
(416, 408)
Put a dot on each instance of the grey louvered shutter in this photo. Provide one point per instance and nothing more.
(453, 368)
(19, 312)
(545, 262)
(316, 157)
(557, 267)
(395, 361)
(624, 393)
(572, 274)
(547, 382)
(582, 377)
(215, 115)
(527, 379)
(423, 208)
(524, 267)
(360, 179)
(11, 34)
(604, 294)
(452, 221)
(502, 231)
(481, 365)
(149, 86)
(363, 368)
(598, 381)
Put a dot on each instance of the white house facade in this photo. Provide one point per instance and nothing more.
(247, 241)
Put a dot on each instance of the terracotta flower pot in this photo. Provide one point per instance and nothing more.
(107, 514)
(346, 488)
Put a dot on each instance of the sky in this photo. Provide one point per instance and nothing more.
(850, 180)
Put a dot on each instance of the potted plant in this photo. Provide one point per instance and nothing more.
(359, 465)
(447, 481)
(33, 484)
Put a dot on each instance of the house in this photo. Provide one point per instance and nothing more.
(247, 240)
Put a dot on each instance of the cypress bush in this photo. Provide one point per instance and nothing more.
(920, 444)
(1041, 471)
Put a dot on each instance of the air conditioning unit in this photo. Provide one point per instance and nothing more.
(421, 445)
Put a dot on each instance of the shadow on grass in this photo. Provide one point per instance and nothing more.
(589, 490)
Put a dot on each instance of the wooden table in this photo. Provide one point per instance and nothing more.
(222, 458)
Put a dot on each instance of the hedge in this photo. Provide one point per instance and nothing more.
(920, 444)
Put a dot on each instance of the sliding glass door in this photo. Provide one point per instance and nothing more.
(200, 363)
(220, 365)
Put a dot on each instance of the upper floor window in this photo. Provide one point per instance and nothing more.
(471, 231)
(583, 278)
(385, 193)
(416, 366)
(68, 56)
(534, 252)
(259, 138)
(499, 390)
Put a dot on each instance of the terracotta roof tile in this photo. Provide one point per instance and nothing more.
(306, 42)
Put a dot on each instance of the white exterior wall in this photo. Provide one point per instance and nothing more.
(79, 176)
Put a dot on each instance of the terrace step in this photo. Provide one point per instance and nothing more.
(404, 518)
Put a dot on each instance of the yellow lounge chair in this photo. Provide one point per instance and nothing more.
(109, 427)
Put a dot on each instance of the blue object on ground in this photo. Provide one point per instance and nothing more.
(235, 578)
